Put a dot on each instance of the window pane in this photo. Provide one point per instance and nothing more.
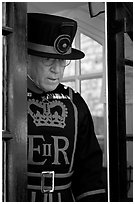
(90, 91)
(70, 69)
(93, 60)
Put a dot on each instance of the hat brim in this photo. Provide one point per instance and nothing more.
(74, 55)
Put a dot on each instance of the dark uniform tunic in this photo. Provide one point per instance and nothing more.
(64, 157)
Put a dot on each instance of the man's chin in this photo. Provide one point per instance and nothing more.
(49, 88)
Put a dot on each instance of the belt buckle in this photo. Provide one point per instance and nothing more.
(44, 175)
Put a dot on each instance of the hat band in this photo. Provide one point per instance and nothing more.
(45, 48)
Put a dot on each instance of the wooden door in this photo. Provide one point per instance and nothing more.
(14, 102)
(119, 22)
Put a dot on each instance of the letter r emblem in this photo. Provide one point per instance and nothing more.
(57, 150)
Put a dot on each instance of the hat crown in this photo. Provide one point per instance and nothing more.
(51, 30)
(51, 36)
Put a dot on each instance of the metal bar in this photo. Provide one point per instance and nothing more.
(116, 104)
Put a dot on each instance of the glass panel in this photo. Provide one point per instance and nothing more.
(129, 100)
(91, 91)
(70, 69)
(4, 84)
(93, 60)
(129, 84)
(3, 13)
(128, 51)
(129, 127)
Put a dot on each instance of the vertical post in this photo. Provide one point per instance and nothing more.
(116, 104)
(17, 106)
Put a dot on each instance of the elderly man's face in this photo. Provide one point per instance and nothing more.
(46, 73)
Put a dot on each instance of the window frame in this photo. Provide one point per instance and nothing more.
(78, 77)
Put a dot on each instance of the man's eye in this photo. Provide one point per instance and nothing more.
(47, 59)
(50, 60)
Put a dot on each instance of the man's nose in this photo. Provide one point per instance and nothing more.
(55, 67)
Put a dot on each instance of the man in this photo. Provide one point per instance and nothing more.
(64, 157)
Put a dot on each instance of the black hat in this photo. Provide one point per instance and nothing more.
(52, 36)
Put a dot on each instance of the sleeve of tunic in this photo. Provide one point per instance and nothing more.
(87, 184)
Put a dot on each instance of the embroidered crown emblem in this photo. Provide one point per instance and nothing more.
(47, 114)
